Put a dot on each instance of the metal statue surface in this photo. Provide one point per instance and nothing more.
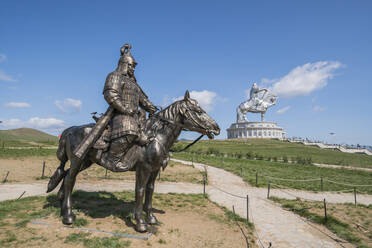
(257, 103)
(124, 95)
(123, 139)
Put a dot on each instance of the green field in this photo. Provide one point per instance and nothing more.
(26, 137)
(22, 153)
(275, 149)
(271, 171)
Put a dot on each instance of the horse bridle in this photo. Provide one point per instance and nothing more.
(183, 128)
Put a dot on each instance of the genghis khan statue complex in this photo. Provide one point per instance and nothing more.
(260, 100)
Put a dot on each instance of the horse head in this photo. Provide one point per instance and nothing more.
(194, 118)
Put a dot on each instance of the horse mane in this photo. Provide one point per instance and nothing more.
(158, 121)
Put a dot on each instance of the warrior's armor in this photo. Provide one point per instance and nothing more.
(254, 98)
(124, 95)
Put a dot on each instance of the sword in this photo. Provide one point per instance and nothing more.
(82, 149)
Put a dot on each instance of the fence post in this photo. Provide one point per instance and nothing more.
(6, 177)
(247, 209)
(159, 176)
(192, 160)
(268, 190)
(355, 196)
(204, 181)
(21, 195)
(256, 179)
(241, 171)
(321, 184)
(325, 211)
(42, 173)
(106, 174)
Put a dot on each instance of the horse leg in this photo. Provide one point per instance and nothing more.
(60, 194)
(151, 219)
(142, 177)
(68, 216)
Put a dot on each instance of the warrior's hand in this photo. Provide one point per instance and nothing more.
(153, 110)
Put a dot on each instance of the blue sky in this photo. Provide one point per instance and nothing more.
(54, 58)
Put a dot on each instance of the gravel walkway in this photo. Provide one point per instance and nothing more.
(10, 191)
(273, 224)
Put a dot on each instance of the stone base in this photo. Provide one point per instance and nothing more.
(255, 130)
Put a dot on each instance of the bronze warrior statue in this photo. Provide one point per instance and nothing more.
(123, 139)
(124, 95)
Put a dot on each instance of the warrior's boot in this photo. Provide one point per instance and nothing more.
(113, 159)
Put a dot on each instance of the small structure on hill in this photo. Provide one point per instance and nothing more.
(260, 100)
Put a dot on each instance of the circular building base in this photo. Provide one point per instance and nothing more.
(254, 130)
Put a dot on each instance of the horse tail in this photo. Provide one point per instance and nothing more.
(60, 172)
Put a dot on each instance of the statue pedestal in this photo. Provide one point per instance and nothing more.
(255, 130)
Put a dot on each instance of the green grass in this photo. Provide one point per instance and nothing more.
(262, 148)
(26, 137)
(344, 227)
(287, 171)
(100, 205)
(21, 153)
(96, 242)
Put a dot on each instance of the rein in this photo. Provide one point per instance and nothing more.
(172, 122)
(183, 149)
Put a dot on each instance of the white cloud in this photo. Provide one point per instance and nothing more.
(205, 98)
(317, 108)
(283, 110)
(69, 105)
(18, 105)
(304, 79)
(48, 124)
(5, 77)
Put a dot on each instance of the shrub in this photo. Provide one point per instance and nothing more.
(285, 159)
(249, 155)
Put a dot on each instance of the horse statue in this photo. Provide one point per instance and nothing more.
(165, 127)
(255, 105)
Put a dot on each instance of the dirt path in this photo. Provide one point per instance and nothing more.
(342, 167)
(14, 190)
(274, 224)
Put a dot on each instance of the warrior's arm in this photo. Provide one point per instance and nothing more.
(146, 104)
(112, 95)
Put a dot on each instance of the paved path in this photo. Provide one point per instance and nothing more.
(280, 227)
(273, 224)
(14, 190)
(342, 167)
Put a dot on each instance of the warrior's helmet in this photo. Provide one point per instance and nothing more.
(126, 56)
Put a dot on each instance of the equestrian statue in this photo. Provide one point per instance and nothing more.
(123, 139)
(257, 103)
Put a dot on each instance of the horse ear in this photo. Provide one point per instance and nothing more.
(187, 95)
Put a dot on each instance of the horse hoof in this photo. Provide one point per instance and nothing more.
(141, 228)
(68, 220)
(151, 219)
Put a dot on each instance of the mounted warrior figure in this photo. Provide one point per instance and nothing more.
(257, 103)
(120, 124)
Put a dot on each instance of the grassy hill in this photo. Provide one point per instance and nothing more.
(284, 164)
(273, 150)
(26, 137)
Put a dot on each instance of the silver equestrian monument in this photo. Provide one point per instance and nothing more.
(260, 100)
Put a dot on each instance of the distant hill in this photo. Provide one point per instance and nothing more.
(26, 137)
